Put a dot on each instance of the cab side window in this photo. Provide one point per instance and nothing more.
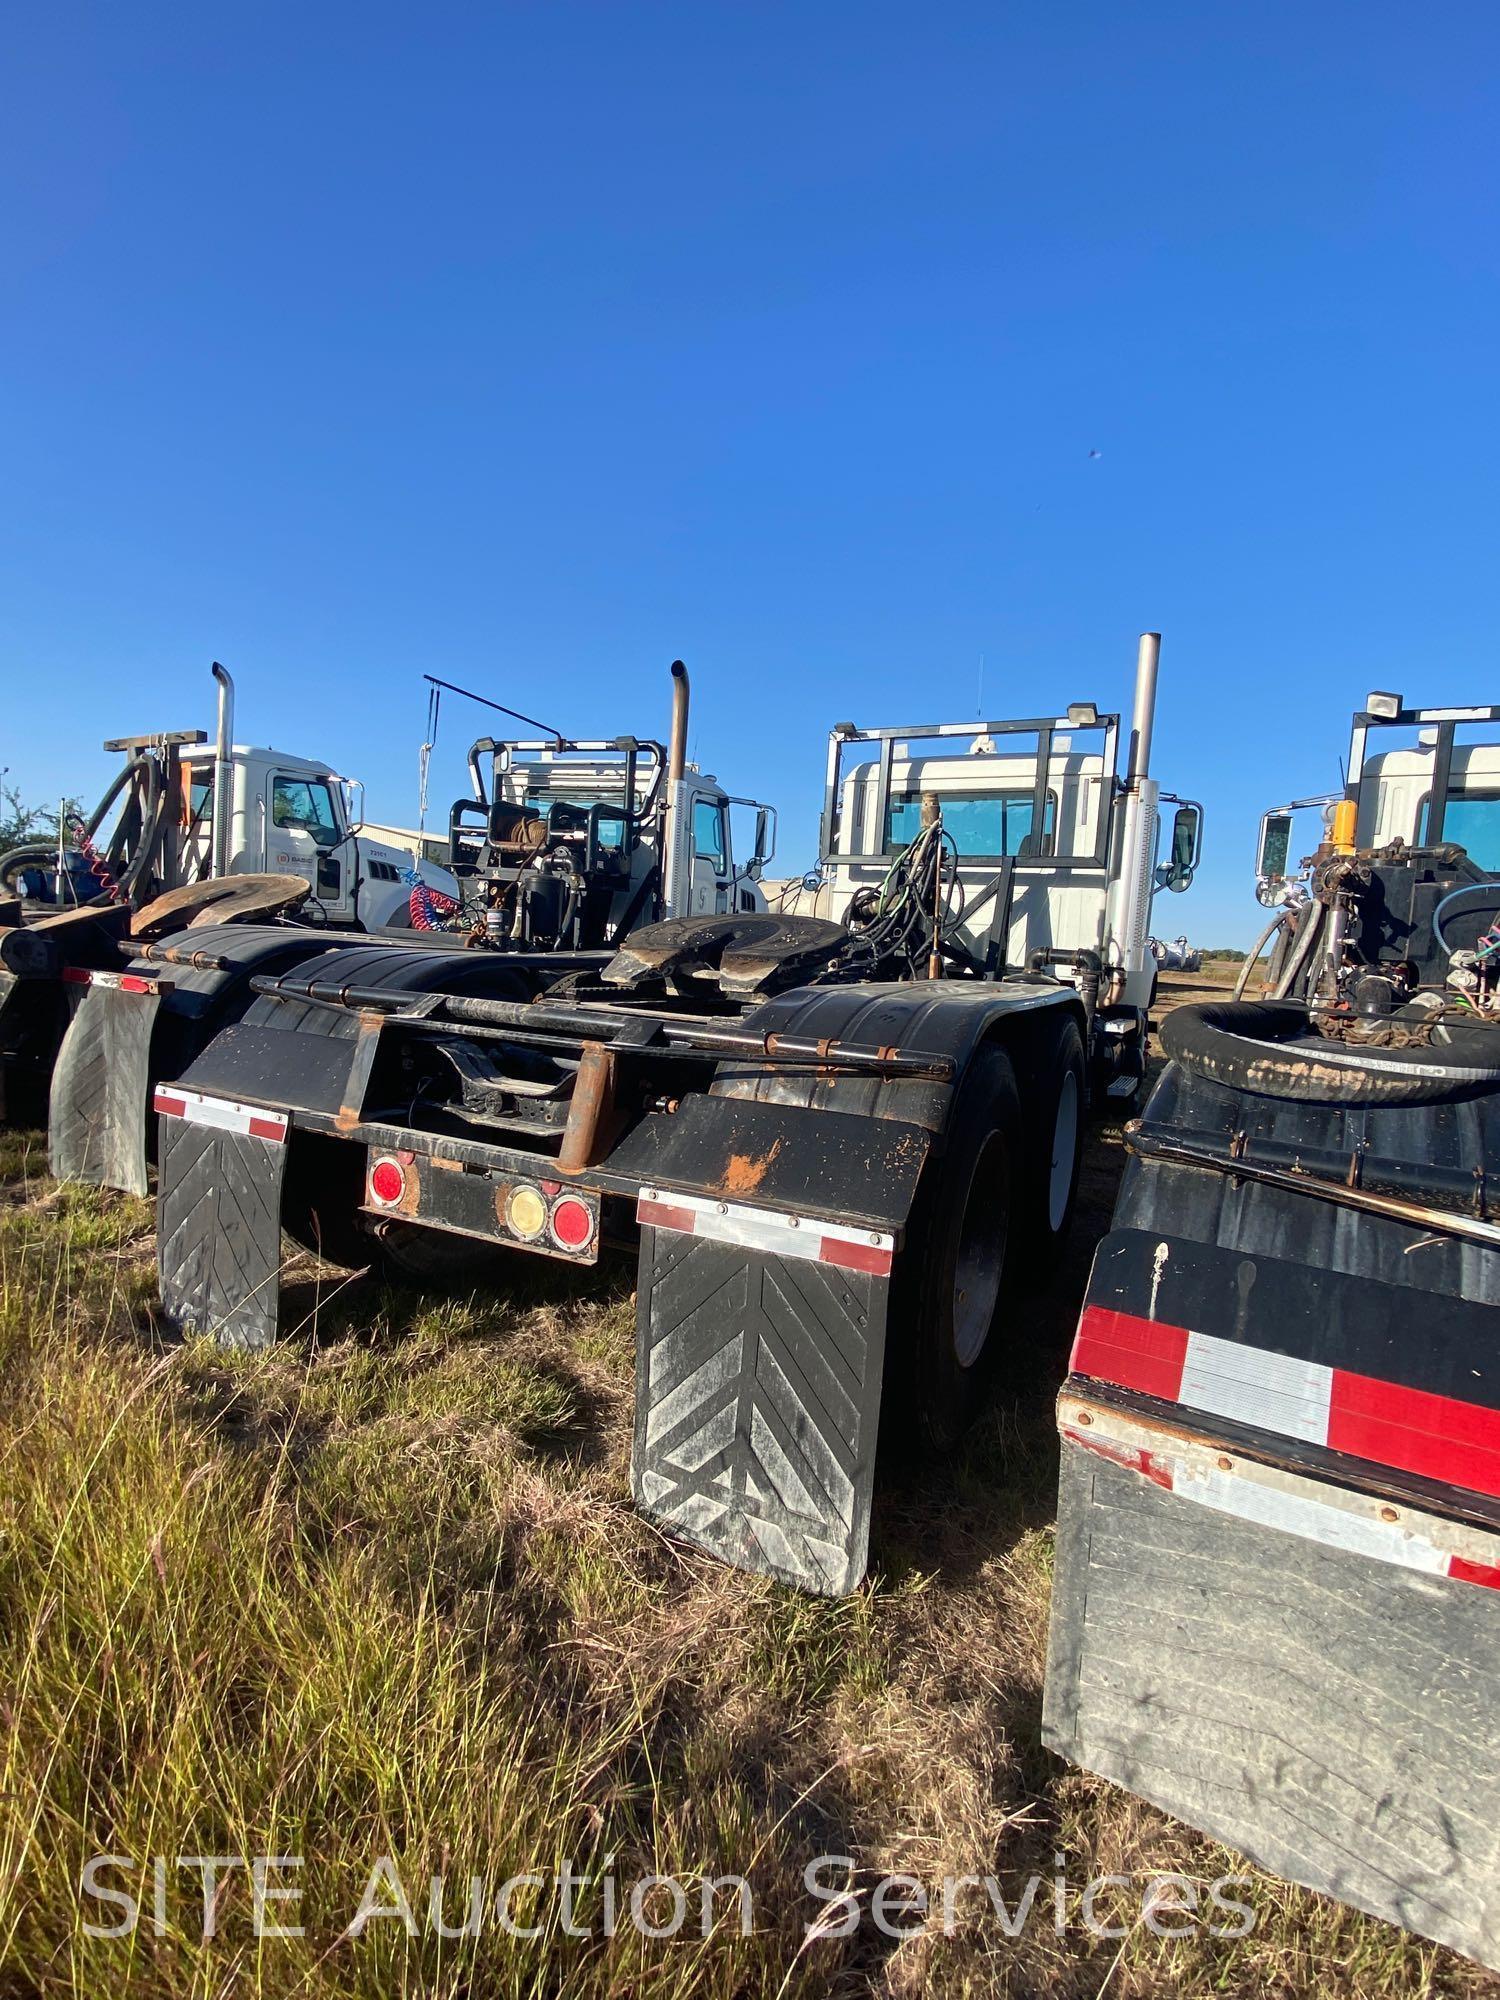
(305, 804)
(708, 835)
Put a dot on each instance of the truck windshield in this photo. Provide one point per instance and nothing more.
(980, 822)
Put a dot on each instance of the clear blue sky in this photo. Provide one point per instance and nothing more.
(534, 344)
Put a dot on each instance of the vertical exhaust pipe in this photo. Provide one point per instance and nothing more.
(1143, 721)
(223, 747)
(677, 741)
(674, 861)
(1129, 895)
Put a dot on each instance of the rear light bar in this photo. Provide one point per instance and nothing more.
(544, 1215)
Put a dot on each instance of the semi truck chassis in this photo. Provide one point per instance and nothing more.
(773, 1167)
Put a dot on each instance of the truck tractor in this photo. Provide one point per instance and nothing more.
(549, 876)
(186, 828)
(838, 1150)
(571, 845)
(1276, 1605)
(1054, 856)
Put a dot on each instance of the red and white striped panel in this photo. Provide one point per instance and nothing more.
(781, 1234)
(117, 982)
(1311, 1509)
(1438, 1437)
(250, 1121)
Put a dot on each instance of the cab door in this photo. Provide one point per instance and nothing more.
(712, 870)
(306, 836)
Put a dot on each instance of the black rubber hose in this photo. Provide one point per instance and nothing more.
(46, 850)
(1264, 1047)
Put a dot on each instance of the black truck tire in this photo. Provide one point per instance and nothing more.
(440, 1258)
(321, 1210)
(1056, 1099)
(950, 1286)
(1265, 1048)
(320, 1200)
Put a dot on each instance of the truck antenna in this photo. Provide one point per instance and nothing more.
(484, 702)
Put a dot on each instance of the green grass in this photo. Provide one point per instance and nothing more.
(381, 1592)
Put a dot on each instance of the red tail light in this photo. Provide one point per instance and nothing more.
(387, 1182)
(572, 1223)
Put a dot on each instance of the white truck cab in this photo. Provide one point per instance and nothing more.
(1055, 853)
(1430, 785)
(290, 815)
(574, 843)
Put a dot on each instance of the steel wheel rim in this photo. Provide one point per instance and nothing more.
(1064, 1151)
(980, 1262)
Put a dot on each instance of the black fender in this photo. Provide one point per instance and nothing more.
(942, 1018)
(219, 1193)
(128, 1034)
(760, 1338)
(300, 1055)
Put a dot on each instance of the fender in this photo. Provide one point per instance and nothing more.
(760, 1334)
(944, 1017)
(1276, 1600)
(223, 1163)
(134, 1029)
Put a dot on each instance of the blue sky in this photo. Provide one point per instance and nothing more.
(533, 345)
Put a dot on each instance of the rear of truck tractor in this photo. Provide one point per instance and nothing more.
(828, 1188)
(1276, 1607)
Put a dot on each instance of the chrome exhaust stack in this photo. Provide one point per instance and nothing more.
(223, 750)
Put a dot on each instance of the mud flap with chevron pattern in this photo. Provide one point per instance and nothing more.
(96, 1125)
(218, 1231)
(758, 1402)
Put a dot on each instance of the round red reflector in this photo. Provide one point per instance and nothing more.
(572, 1222)
(387, 1182)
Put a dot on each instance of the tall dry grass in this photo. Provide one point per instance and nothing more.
(381, 1593)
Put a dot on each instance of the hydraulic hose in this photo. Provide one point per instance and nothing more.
(1255, 951)
(1309, 931)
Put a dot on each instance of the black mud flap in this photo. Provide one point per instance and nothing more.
(218, 1231)
(99, 1105)
(758, 1401)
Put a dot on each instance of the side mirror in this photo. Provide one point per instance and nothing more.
(1275, 845)
(1187, 839)
(762, 838)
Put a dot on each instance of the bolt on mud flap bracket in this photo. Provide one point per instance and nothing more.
(218, 1215)
(760, 1341)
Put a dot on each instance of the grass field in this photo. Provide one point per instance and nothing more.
(381, 1593)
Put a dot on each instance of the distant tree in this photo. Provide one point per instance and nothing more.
(20, 822)
(1227, 954)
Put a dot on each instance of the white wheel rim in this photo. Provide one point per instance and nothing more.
(1064, 1150)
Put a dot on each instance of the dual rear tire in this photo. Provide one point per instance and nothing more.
(993, 1211)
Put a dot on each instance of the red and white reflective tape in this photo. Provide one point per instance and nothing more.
(1438, 1437)
(1311, 1509)
(117, 982)
(772, 1230)
(248, 1120)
